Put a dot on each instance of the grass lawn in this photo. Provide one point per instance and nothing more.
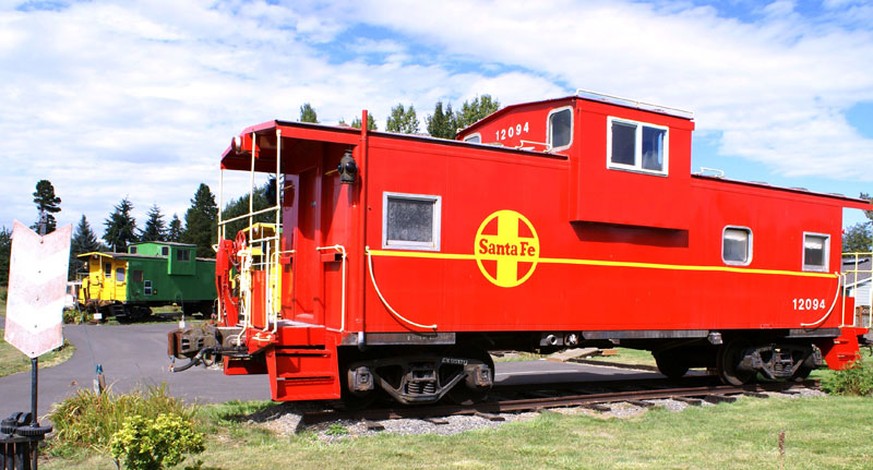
(13, 361)
(820, 432)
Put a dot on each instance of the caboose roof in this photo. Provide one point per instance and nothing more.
(840, 199)
(587, 96)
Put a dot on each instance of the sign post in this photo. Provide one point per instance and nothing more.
(34, 313)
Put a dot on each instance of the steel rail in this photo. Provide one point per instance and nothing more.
(713, 393)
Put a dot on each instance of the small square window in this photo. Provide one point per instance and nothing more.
(637, 146)
(147, 288)
(560, 128)
(132, 250)
(165, 251)
(815, 252)
(736, 246)
(183, 255)
(119, 275)
(411, 221)
(136, 275)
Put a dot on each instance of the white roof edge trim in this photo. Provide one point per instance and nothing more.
(591, 95)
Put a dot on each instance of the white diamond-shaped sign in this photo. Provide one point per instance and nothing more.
(37, 286)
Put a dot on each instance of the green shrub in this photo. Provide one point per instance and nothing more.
(88, 420)
(145, 444)
(76, 316)
(857, 379)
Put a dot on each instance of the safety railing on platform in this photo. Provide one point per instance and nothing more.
(263, 245)
(857, 272)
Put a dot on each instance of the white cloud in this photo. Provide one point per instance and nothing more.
(115, 99)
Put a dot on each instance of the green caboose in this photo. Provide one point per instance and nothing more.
(150, 274)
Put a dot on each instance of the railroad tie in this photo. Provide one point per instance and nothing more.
(716, 399)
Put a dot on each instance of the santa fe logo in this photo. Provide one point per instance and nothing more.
(507, 248)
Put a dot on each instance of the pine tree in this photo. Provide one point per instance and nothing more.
(441, 123)
(858, 238)
(477, 109)
(200, 222)
(240, 206)
(371, 123)
(155, 228)
(47, 204)
(307, 114)
(174, 230)
(84, 241)
(402, 120)
(5, 254)
(120, 227)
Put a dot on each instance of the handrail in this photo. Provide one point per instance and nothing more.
(854, 260)
(385, 302)
(341, 249)
(833, 304)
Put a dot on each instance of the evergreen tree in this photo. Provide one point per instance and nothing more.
(5, 255)
(442, 124)
(477, 109)
(371, 123)
(47, 204)
(402, 120)
(155, 228)
(84, 241)
(307, 114)
(120, 227)
(200, 222)
(240, 206)
(174, 230)
(858, 238)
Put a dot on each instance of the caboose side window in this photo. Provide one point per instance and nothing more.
(107, 270)
(165, 251)
(119, 275)
(636, 146)
(136, 275)
(736, 246)
(183, 255)
(147, 287)
(560, 128)
(411, 221)
(815, 251)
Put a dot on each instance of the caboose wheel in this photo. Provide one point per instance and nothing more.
(729, 360)
(671, 366)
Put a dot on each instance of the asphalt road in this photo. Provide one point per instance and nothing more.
(134, 356)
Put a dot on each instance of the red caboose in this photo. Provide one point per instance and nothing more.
(395, 263)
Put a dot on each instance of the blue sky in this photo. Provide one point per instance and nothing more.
(113, 99)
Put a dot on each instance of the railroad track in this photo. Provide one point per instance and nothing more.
(692, 395)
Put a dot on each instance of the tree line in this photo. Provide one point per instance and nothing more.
(199, 227)
(444, 123)
(120, 228)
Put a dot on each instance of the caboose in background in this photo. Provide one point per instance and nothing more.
(394, 263)
(150, 274)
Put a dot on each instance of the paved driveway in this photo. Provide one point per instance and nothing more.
(132, 356)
